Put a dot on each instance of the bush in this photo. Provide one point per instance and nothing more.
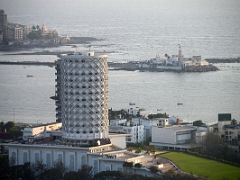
(138, 151)
(153, 169)
(128, 164)
(138, 165)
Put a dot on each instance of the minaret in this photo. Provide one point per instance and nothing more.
(180, 56)
(82, 93)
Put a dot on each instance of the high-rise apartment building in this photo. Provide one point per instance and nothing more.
(3, 25)
(82, 98)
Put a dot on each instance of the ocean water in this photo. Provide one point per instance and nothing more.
(131, 30)
(139, 29)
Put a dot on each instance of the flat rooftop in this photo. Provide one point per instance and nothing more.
(179, 127)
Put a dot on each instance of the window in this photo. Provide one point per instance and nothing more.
(37, 158)
(95, 166)
(60, 158)
(84, 160)
(71, 162)
(25, 157)
(13, 158)
(48, 160)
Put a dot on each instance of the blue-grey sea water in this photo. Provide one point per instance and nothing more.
(131, 30)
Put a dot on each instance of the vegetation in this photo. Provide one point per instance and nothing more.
(28, 172)
(203, 167)
(128, 164)
(116, 175)
(215, 147)
(153, 169)
(116, 114)
(9, 130)
(199, 123)
(35, 35)
(142, 147)
(158, 115)
(138, 165)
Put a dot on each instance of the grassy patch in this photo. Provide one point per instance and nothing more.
(203, 167)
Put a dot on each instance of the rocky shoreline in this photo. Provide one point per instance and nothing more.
(72, 42)
(223, 60)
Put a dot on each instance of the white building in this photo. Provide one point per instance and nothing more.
(179, 137)
(82, 97)
(148, 123)
(101, 158)
(30, 132)
(134, 132)
(18, 33)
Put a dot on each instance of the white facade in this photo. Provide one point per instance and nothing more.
(37, 130)
(100, 158)
(82, 97)
(135, 132)
(73, 158)
(18, 33)
(174, 136)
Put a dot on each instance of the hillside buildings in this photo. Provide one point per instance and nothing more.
(14, 35)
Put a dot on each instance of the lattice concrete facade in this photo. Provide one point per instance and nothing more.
(82, 97)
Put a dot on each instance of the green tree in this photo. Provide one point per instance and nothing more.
(72, 176)
(35, 35)
(9, 125)
(51, 174)
(85, 172)
(109, 175)
(15, 132)
(1, 126)
(4, 167)
(138, 165)
(153, 169)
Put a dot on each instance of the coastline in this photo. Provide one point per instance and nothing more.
(72, 42)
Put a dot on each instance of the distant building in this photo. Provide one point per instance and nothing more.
(1, 37)
(15, 32)
(18, 34)
(26, 31)
(3, 26)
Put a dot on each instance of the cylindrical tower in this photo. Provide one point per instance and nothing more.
(82, 98)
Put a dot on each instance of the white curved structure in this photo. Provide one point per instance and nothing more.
(82, 98)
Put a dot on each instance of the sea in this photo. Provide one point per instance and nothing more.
(130, 30)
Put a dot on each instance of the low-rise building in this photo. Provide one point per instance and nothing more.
(231, 134)
(135, 132)
(30, 132)
(100, 158)
(178, 137)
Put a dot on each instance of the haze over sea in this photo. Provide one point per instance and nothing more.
(132, 30)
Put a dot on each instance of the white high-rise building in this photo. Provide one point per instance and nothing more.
(82, 98)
